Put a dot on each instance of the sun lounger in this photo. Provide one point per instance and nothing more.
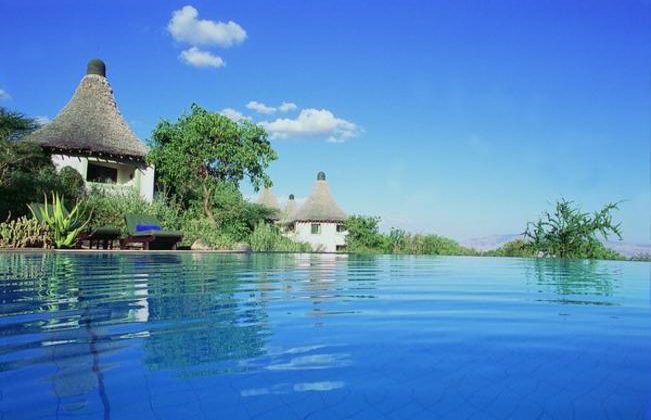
(146, 230)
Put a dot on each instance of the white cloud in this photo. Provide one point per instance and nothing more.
(313, 123)
(186, 27)
(260, 107)
(287, 106)
(4, 96)
(199, 58)
(233, 114)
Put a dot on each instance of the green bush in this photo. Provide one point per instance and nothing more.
(401, 242)
(200, 228)
(568, 232)
(268, 238)
(515, 248)
(72, 182)
(26, 173)
(236, 217)
(364, 235)
(24, 233)
(106, 209)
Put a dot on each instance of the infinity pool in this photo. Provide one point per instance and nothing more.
(203, 336)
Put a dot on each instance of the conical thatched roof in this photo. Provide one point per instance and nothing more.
(91, 124)
(290, 209)
(268, 199)
(320, 205)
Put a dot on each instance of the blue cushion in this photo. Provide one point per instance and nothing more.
(142, 228)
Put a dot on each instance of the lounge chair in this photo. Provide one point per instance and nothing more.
(103, 235)
(146, 230)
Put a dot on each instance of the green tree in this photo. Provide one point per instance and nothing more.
(26, 170)
(568, 232)
(14, 125)
(364, 234)
(203, 150)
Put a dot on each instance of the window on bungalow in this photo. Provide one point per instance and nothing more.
(100, 173)
(316, 228)
(341, 228)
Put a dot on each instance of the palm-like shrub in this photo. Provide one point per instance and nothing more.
(64, 225)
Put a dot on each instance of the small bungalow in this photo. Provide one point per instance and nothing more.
(91, 136)
(319, 221)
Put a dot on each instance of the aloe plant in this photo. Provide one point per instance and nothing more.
(64, 226)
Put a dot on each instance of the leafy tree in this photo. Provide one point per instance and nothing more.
(439, 245)
(14, 125)
(515, 248)
(570, 233)
(26, 173)
(26, 170)
(203, 150)
(364, 234)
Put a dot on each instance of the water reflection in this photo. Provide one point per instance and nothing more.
(214, 317)
(278, 324)
(575, 281)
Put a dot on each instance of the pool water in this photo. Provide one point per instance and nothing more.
(205, 336)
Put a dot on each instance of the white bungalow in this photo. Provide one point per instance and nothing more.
(91, 136)
(320, 221)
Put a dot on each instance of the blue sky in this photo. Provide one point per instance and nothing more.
(461, 118)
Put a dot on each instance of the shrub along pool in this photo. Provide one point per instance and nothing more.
(147, 335)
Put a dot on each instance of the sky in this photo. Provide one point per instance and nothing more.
(465, 119)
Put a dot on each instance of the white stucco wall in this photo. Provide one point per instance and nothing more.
(326, 241)
(78, 163)
(128, 176)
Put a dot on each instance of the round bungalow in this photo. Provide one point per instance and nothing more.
(320, 221)
(91, 136)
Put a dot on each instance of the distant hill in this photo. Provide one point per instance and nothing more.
(629, 249)
(488, 243)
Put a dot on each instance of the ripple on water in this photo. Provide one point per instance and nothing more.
(292, 336)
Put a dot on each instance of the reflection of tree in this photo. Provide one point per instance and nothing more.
(575, 277)
(201, 311)
(65, 289)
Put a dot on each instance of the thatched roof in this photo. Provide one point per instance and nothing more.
(320, 205)
(268, 199)
(91, 124)
(290, 209)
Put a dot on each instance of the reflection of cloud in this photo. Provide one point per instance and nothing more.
(303, 349)
(317, 361)
(286, 388)
(318, 386)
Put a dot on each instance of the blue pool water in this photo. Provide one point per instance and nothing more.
(203, 336)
